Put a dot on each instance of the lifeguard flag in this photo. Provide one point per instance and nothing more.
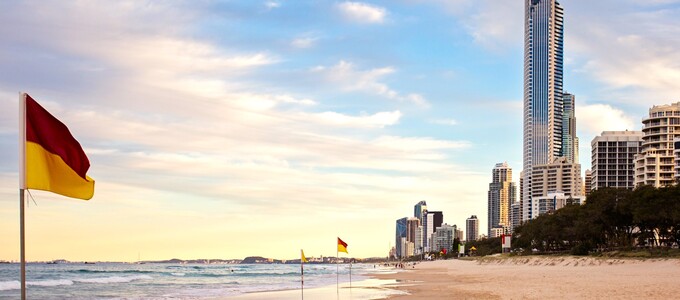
(55, 161)
(342, 246)
(302, 253)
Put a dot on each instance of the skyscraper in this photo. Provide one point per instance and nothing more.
(400, 233)
(471, 228)
(569, 138)
(418, 210)
(412, 224)
(501, 194)
(543, 87)
(431, 220)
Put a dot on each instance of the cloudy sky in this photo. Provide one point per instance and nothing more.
(221, 129)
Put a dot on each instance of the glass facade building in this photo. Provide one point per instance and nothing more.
(543, 87)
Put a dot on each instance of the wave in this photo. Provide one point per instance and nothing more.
(178, 274)
(112, 271)
(113, 279)
(9, 285)
(15, 285)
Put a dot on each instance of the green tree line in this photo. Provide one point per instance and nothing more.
(611, 219)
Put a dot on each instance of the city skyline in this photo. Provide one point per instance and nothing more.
(217, 130)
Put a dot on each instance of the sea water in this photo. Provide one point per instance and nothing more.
(168, 281)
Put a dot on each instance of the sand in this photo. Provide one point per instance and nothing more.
(540, 278)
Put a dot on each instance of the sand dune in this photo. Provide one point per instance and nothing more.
(541, 278)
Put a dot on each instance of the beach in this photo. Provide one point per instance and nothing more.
(563, 277)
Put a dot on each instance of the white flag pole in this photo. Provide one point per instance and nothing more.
(22, 188)
(337, 271)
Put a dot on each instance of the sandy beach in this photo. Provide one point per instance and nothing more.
(540, 278)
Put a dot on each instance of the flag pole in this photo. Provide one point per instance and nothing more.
(302, 276)
(350, 273)
(22, 189)
(337, 271)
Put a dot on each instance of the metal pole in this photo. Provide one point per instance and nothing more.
(22, 190)
(337, 272)
(22, 238)
(350, 273)
(302, 281)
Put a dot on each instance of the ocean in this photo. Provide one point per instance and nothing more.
(168, 281)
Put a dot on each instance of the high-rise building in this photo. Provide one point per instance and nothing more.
(472, 228)
(588, 183)
(501, 194)
(443, 237)
(543, 88)
(569, 138)
(418, 244)
(515, 216)
(418, 210)
(412, 229)
(400, 233)
(613, 159)
(655, 164)
(432, 220)
(676, 156)
(552, 202)
(560, 176)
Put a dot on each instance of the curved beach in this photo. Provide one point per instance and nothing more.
(540, 278)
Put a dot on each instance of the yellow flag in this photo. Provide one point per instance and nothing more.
(303, 259)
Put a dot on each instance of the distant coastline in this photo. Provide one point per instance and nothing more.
(218, 261)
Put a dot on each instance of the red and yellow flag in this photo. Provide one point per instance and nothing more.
(55, 161)
(342, 246)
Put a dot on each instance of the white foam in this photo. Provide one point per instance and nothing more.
(9, 285)
(55, 282)
(178, 274)
(113, 279)
(15, 285)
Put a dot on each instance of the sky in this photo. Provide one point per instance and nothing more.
(224, 129)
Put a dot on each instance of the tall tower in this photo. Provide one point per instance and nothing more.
(569, 138)
(501, 195)
(543, 99)
(471, 228)
(418, 210)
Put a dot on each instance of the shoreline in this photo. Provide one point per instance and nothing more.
(539, 277)
(365, 289)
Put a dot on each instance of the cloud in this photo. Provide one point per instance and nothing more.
(179, 135)
(495, 25)
(380, 119)
(362, 13)
(272, 4)
(304, 42)
(447, 122)
(592, 119)
(346, 74)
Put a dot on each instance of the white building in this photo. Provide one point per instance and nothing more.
(553, 202)
(443, 237)
(496, 232)
(559, 176)
(655, 165)
(613, 159)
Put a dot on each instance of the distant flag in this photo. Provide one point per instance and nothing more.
(54, 161)
(342, 246)
(303, 259)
